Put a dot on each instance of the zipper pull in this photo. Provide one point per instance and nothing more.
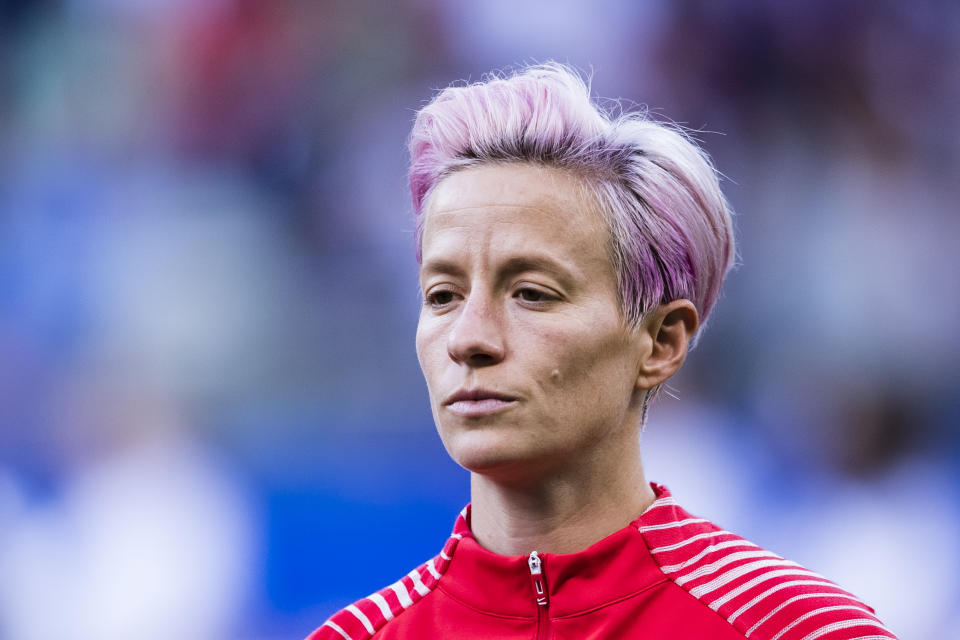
(535, 564)
(536, 575)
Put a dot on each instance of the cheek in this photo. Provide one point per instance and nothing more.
(562, 368)
(588, 367)
(419, 342)
(429, 345)
(570, 352)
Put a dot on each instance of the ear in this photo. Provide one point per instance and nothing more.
(667, 330)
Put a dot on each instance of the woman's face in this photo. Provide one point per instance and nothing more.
(528, 361)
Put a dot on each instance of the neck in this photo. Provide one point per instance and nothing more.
(565, 512)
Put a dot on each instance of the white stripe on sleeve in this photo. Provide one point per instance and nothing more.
(699, 536)
(763, 577)
(359, 615)
(803, 596)
(661, 502)
(418, 583)
(846, 624)
(815, 612)
(785, 585)
(335, 627)
(381, 602)
(707, 569)
(670, 525)
(673, 568)
(402, 594)
(737, 572)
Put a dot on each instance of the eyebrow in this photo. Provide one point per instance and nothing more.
(512, 266)
(440, 266)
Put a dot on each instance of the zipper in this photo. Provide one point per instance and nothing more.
(539, 584)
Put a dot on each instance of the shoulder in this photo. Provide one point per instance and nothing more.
(367, 616)
(762, 595)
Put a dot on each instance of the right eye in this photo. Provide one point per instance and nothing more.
(439, 298)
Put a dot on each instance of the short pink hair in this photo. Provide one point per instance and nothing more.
(670, 226)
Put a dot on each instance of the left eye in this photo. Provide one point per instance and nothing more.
(532, 295)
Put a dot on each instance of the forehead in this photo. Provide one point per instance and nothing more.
(515, 206)
(510, 183)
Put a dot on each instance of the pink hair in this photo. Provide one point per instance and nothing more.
(670, 226)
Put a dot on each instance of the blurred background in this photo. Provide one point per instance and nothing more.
(212, 421)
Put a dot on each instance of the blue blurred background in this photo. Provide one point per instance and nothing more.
(212, 421)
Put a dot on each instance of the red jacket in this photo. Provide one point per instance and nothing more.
(667, 575)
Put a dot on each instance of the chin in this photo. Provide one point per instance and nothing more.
(494, 454)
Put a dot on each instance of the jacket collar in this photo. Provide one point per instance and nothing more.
(614, 568)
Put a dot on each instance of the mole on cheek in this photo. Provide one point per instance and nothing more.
(555, 376)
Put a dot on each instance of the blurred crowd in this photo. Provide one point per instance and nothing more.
(210, 405)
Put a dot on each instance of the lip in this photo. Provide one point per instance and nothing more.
(477, 402)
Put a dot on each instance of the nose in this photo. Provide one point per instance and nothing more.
(476, 338)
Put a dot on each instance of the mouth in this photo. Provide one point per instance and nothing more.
(473, 403)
